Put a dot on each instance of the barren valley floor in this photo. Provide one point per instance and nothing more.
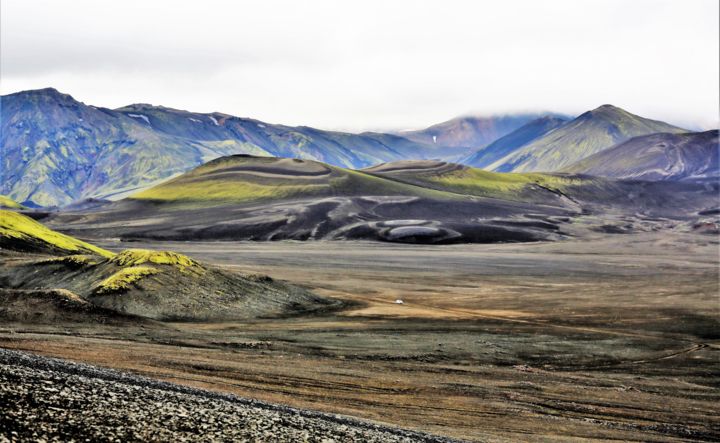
(612, 337)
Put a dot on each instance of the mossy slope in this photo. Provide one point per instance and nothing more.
(459, 179)
(20, 232)
(134, 257)
(7, 202)
(162, 285)
(242, 179)
(123, 279)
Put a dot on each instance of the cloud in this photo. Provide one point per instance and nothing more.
(370, 64)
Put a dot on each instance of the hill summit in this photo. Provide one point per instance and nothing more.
(588, 134)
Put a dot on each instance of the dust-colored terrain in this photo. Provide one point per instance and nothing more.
(616, 336)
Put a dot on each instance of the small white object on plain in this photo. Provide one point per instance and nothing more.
(399, 302)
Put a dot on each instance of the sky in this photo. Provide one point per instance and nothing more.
(368, 64)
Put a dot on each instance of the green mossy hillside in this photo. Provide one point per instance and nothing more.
(478, 182)
(7, 202)
(123, 279)
(240, 179)
(134, 257)
(18, 231)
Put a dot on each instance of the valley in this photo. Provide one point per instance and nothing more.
(610, 337)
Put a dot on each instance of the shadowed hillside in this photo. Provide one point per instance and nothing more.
(657, 157)
(464, 135)
(513, 141)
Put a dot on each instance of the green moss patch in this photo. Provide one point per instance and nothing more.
(225, 191)
(20, 229)
(7, 202)
(473, 181)
(133, 257)
(123, 279)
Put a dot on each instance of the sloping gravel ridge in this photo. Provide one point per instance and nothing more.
(48, 399)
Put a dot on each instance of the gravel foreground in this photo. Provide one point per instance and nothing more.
(47, 399)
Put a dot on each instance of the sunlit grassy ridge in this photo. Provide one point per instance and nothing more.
(203, 185)
(220, 181)
(500, 185)
(124, 278)
(478, 182)
(360, 183)
(19, 227)
(461, 180)
(133, 257)
(7, 202)
(223, 190)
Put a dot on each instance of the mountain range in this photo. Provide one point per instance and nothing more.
(57, 150)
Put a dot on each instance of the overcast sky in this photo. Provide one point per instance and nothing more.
(370, 64)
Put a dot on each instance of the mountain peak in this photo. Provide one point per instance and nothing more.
(44, 93)
(41, 91)
(606, 111)
(136, 106)
(608, 106)
(549, 118)
(49, 90)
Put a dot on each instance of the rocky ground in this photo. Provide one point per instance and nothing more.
(610, 338)
(48, 399)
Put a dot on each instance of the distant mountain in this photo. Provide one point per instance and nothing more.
(464, 135)
(657, 157)
(513, 141)
(588, 134)
(56, 150)
(251, 136)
